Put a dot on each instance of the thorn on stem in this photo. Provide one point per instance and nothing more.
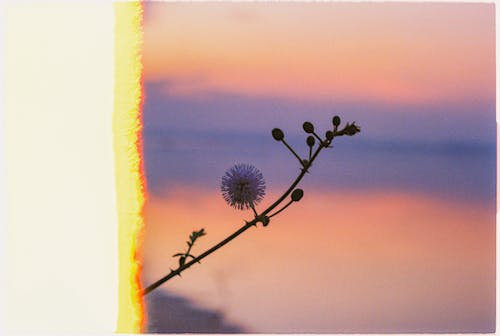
(253, 223)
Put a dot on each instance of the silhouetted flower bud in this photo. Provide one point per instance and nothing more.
(310, 141)
(336, 121)
(351, 129)
(278, 134)
(329, 135)
(308, 127)
(297, 195)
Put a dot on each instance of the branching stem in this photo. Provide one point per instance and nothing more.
(198, 258)
(291, 150)
(277, 212)
(247, 225)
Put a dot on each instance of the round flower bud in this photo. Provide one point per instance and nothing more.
(278, 134)
(297, 195)
(336, 121)
(310, 141)
(308, 127)
(329, 135)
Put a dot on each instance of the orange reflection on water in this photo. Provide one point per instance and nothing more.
(378, 262)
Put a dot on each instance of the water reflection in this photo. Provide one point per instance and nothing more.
(350, 262)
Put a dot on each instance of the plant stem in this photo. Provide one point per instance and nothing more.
(317, 137)
(254, 211)
(294, 184)
(197, 259)
(277, 212)
(240, 231)
(291, 150)
(188, 250)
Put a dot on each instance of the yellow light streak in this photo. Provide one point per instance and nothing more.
(130, 182)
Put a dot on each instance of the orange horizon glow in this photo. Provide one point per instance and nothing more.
(374, 52)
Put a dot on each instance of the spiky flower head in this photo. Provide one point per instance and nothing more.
(243, 186)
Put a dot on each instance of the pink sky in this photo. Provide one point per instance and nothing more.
(378, 52)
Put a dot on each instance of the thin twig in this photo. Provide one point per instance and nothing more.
(277, 212)
(198, 259)
(248, 225)
(291, 150)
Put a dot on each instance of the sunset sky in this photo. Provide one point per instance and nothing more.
(396, 231)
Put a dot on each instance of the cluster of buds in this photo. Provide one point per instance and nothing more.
(349, 129)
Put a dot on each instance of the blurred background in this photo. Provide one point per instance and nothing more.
(396, 231)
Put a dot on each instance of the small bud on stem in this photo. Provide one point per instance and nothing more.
(278, 134)
(336, 121)
(297, 195)
(308, 127)
(310, 141)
